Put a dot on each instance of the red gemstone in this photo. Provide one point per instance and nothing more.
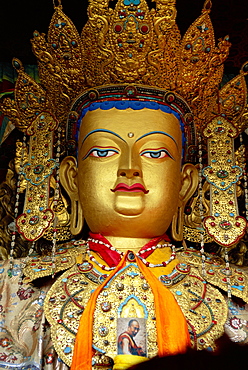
(237, 224)
(144, 29)
(23, 221)
(118, 28)
(230, 131)
(208, 131)
(229, 152)
(212, 223)
(216, 202)
(224, 280)
(164, 263)
(214, 322)
(231, 202)
(170, 98)
(240, 279)
(44, 217)
(147, 264)
(60, 321)
(119, 40)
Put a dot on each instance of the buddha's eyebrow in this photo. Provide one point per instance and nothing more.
(157, 132)
(101, 130)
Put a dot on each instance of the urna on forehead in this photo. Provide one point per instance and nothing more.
(135, 98)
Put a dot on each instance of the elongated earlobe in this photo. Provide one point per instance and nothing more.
(68, 178)
(189, 185)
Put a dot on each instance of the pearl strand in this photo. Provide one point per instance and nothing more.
(13, 235)
(148, 264)
(162, 264)
(201, 205)
(55, 202)
(228, 281)
(244, 175)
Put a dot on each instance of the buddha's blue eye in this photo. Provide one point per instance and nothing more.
(101, 153)
(161, 153)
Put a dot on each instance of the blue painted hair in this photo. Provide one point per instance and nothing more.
(133, 104)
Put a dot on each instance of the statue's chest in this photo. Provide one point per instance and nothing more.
(129, 296)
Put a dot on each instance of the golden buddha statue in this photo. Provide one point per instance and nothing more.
(125, 172)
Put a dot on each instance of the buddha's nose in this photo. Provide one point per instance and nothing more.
(130, 164)
(129, 173)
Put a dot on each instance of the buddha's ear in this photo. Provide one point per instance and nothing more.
(68, 178)
(189, 180)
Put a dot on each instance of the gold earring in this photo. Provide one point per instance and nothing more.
(77, 218)
(177, 224)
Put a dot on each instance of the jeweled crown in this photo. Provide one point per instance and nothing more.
(128, 48)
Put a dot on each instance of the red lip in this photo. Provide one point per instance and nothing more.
(135, 188)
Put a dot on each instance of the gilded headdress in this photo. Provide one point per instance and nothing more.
(130, 52)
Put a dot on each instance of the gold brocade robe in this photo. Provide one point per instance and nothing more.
(34, 338)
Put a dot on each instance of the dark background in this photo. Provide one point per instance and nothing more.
(19, 18)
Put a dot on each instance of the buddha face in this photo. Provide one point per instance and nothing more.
(129, 181)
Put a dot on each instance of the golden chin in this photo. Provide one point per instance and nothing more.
(129, 204)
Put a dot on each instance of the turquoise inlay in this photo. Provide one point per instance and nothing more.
(37, 270)
(120, 272)
(137, 300)
(231, 214)
(216, 214)
(239, 287)
(178, 292)
(132, 274)
(67, 350)
(224, 186)
(98, 349)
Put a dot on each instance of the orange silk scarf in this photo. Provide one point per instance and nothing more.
(172, 332)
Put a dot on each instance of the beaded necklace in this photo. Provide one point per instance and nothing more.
(139, 254)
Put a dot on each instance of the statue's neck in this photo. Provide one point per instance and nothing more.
(122, 244)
